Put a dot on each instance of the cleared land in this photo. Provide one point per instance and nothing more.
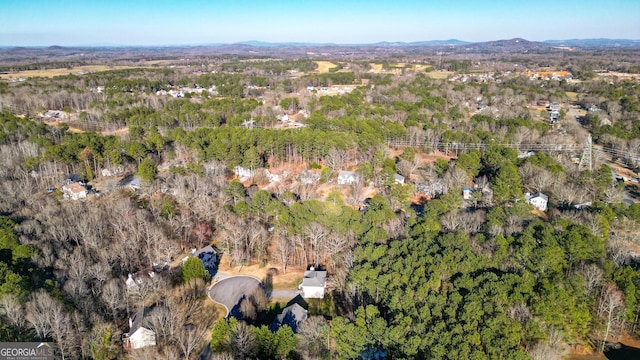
(324, 66)
(573, 96)
(289, 280)
(440, 75)
(78, 70)
(376, 67)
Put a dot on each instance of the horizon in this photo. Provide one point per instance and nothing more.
(145, 23)
(295, 43)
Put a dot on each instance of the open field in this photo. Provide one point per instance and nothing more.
(79, 70)
(324, 66)
(612, 75)
(572, 95)
(440, 75)
(376, 67)
(289, 280)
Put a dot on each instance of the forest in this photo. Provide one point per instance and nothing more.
(433, 251)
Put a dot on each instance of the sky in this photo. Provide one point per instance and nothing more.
(191, 22)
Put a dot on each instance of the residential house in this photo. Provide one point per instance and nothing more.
(139, 336)
(347, 177)
(313, 283)
(525, 154)
(399, 179)
(135, 281)
(209, 257)
(243, 173)
(293, 315)
(309, 177)
(74, 191)
(554, 106)
(135, 184)
(538, 200)
(467, 193)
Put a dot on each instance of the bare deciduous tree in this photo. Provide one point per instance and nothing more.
(611, 309)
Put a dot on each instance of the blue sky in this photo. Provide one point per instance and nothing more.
(160, 22)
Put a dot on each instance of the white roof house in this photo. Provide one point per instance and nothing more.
(243, 173)
(74, 191)
(467, 193)
(313, 284)
(538, 200)
(347, 177)
(139, 336)
(309, 176)
(399, 179)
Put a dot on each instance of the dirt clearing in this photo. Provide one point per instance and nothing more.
(78, 70)
(324, 66)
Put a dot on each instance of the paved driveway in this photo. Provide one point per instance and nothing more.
(230, 291)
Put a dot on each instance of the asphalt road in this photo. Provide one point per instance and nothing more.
(230, 291)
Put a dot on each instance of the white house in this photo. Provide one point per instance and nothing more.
(399, 179)
(538, 200)
(138, 335)
(74, 191)
(134, 281)
(243, 173)
(313, 283)
(309, 176)
(466, 193)
(347, 177)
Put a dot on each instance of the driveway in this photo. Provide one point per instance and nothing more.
(285, 294)
(232, 290)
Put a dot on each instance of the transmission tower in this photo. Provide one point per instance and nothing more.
(586, 159)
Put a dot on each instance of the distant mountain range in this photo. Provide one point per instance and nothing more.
(451, 42)
(497, 44)
(252, 48)
(595, 42)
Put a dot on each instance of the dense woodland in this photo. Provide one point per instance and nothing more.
(414, 273)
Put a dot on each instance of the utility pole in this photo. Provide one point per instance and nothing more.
(586, 159)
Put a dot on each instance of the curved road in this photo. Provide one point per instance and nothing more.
(230, 291)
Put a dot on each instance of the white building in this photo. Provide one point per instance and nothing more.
(74, 191)
(347, 177)
(467, 193)
(313, 283)
(538, 200)
(138, 335)
(243, 173)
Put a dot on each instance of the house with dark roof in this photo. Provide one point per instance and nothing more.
(209, 257)
(139, 336)
(313, 283)
(293, 315)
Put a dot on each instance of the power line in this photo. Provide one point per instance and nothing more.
(586, 159)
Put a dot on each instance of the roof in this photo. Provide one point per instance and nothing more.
(537, 195)
(399, 177)
(75, 188)
(342, 173)
(205, 250)
(314, 278)
(292, 315)
(136, 321)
